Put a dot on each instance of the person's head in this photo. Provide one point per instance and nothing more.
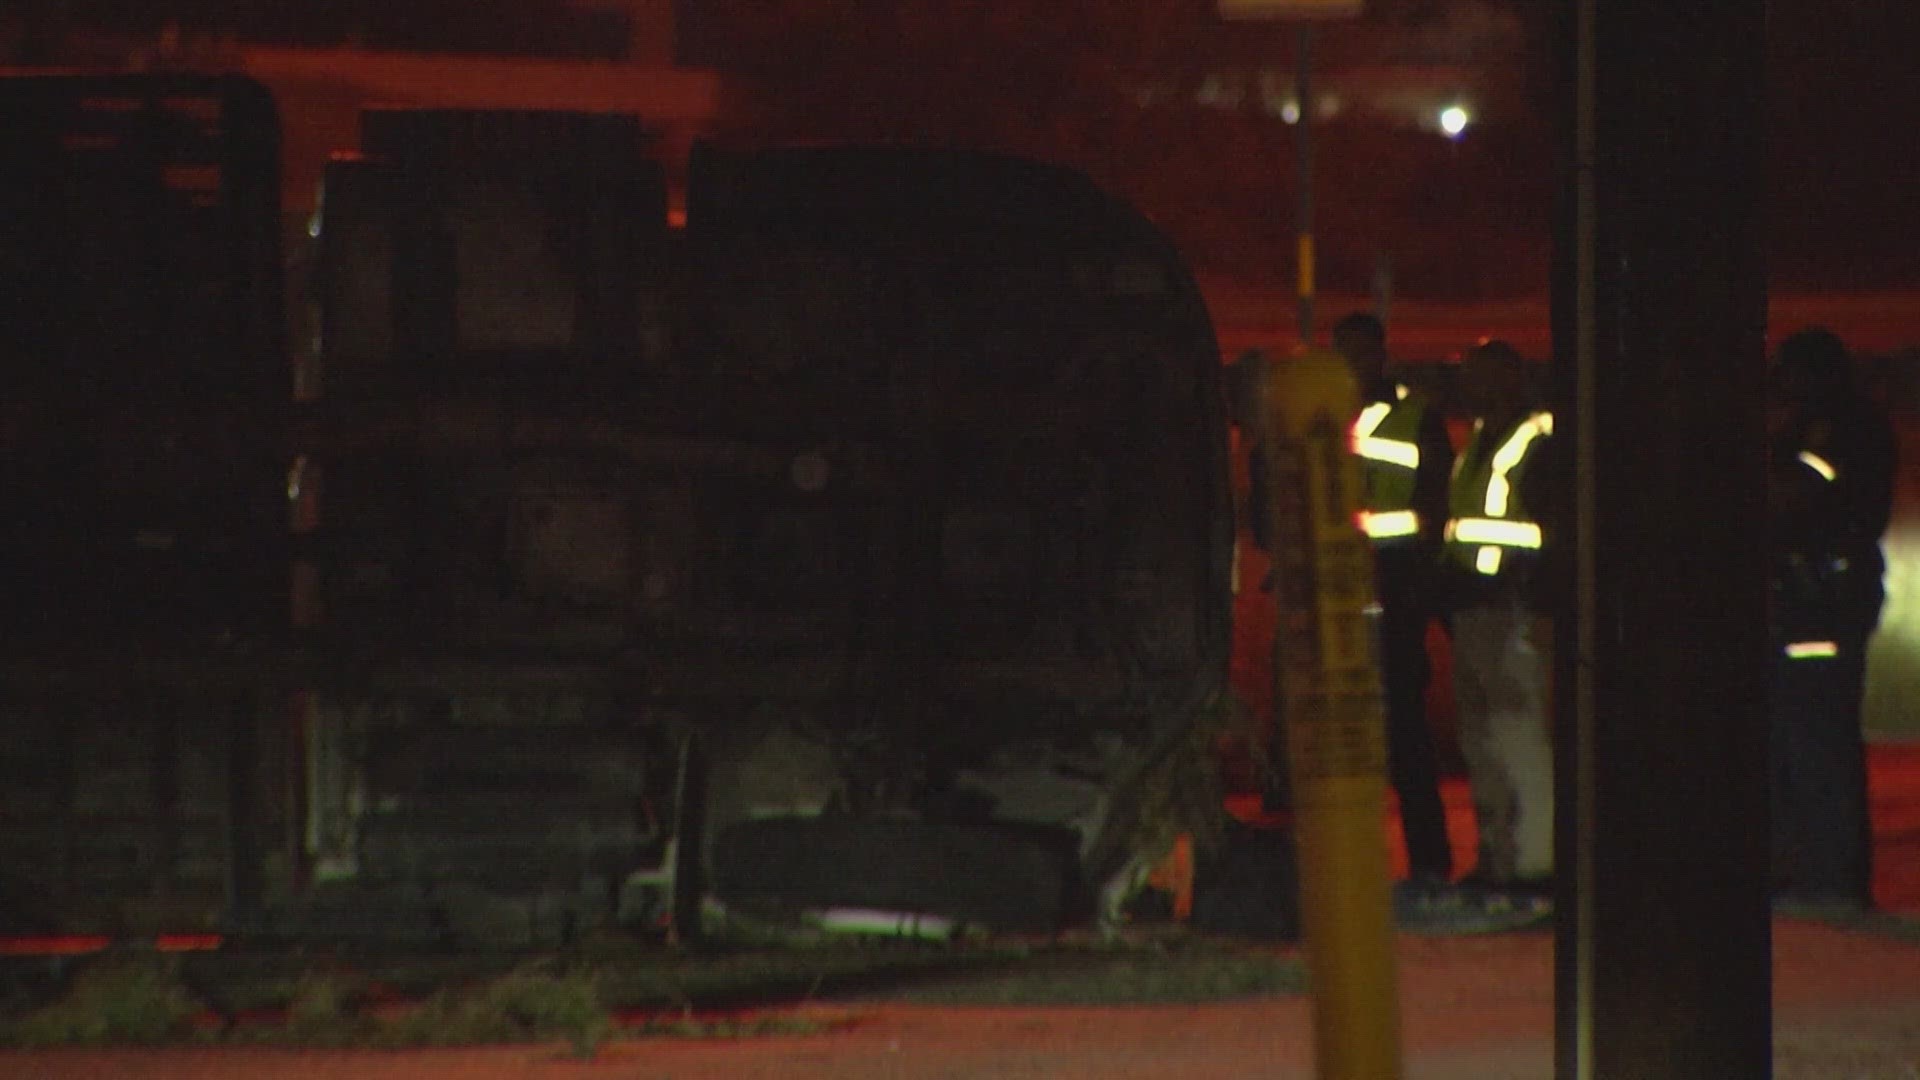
(1812, 368)
(1246, 391)
(1361, 339)
(1494, 380)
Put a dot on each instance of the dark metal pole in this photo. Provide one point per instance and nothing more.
(246, 854)
(689, 842)
(1664, 946)
(1574, 704)
(1303, 175)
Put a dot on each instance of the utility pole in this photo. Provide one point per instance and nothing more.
(1305, 15)
(1663, 953)
(1303, 175)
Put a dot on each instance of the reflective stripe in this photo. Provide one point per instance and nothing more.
(1514, 534)
(1487, 561)
(1813, 650)
(1818, 464)
(1391, 523)
(1370, 419)
(1499, 491)
(1392, 451)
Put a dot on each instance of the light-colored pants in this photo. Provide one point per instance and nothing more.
(1500, 692)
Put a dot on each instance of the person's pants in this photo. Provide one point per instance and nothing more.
(1822, 839)
(1404, 672)
(1500, 692)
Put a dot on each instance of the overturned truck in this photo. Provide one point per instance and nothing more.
(880, 509)
(852, 545)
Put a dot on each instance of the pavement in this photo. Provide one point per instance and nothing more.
(1893, 785)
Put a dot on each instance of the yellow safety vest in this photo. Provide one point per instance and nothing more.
(1386, 439)
(1488, 519)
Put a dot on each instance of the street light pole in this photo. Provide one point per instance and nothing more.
(1304, 14)
(1303, 175)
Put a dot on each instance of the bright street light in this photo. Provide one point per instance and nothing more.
(1453, 120)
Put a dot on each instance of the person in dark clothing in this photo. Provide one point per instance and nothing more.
(1247, 405)
(1831, 496)
(1402, 444)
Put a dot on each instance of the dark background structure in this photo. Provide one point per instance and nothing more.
(1185, 113)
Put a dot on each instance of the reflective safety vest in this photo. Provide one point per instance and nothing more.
(1488, 519)
(1386, 439)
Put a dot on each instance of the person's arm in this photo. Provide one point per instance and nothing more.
(1546, 491)
(1432, 480)
(1259, 499)
(1874, 478)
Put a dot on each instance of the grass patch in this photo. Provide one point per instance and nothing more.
(1184, 969)
(400, 1002)
(145, 1001)
(1093, 975)
(762, 977)
(134, 1001)
(541, 1001)
(325, 1007)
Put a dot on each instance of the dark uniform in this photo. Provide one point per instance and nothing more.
(1402, 444)
(1832, 495)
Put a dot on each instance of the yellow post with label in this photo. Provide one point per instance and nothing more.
(1329, 705)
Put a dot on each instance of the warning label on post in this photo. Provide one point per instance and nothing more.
(1325, 654)
(1334, 728)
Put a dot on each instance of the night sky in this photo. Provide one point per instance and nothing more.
(1163, 102)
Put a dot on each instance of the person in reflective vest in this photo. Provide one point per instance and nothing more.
(1405, 457)
(1831, 495)
(1493, 542)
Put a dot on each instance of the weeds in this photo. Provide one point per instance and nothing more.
(1182, 971)
(135, 1001)
(319, 1002)
(143, 1002)
(537, 1002)
(325, 1008)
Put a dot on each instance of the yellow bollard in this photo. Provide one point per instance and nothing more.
(1330, 708)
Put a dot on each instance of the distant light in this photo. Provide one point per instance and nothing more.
(1290, 112)
(1453, 120)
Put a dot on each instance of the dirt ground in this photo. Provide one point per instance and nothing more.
(1847, 1008)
